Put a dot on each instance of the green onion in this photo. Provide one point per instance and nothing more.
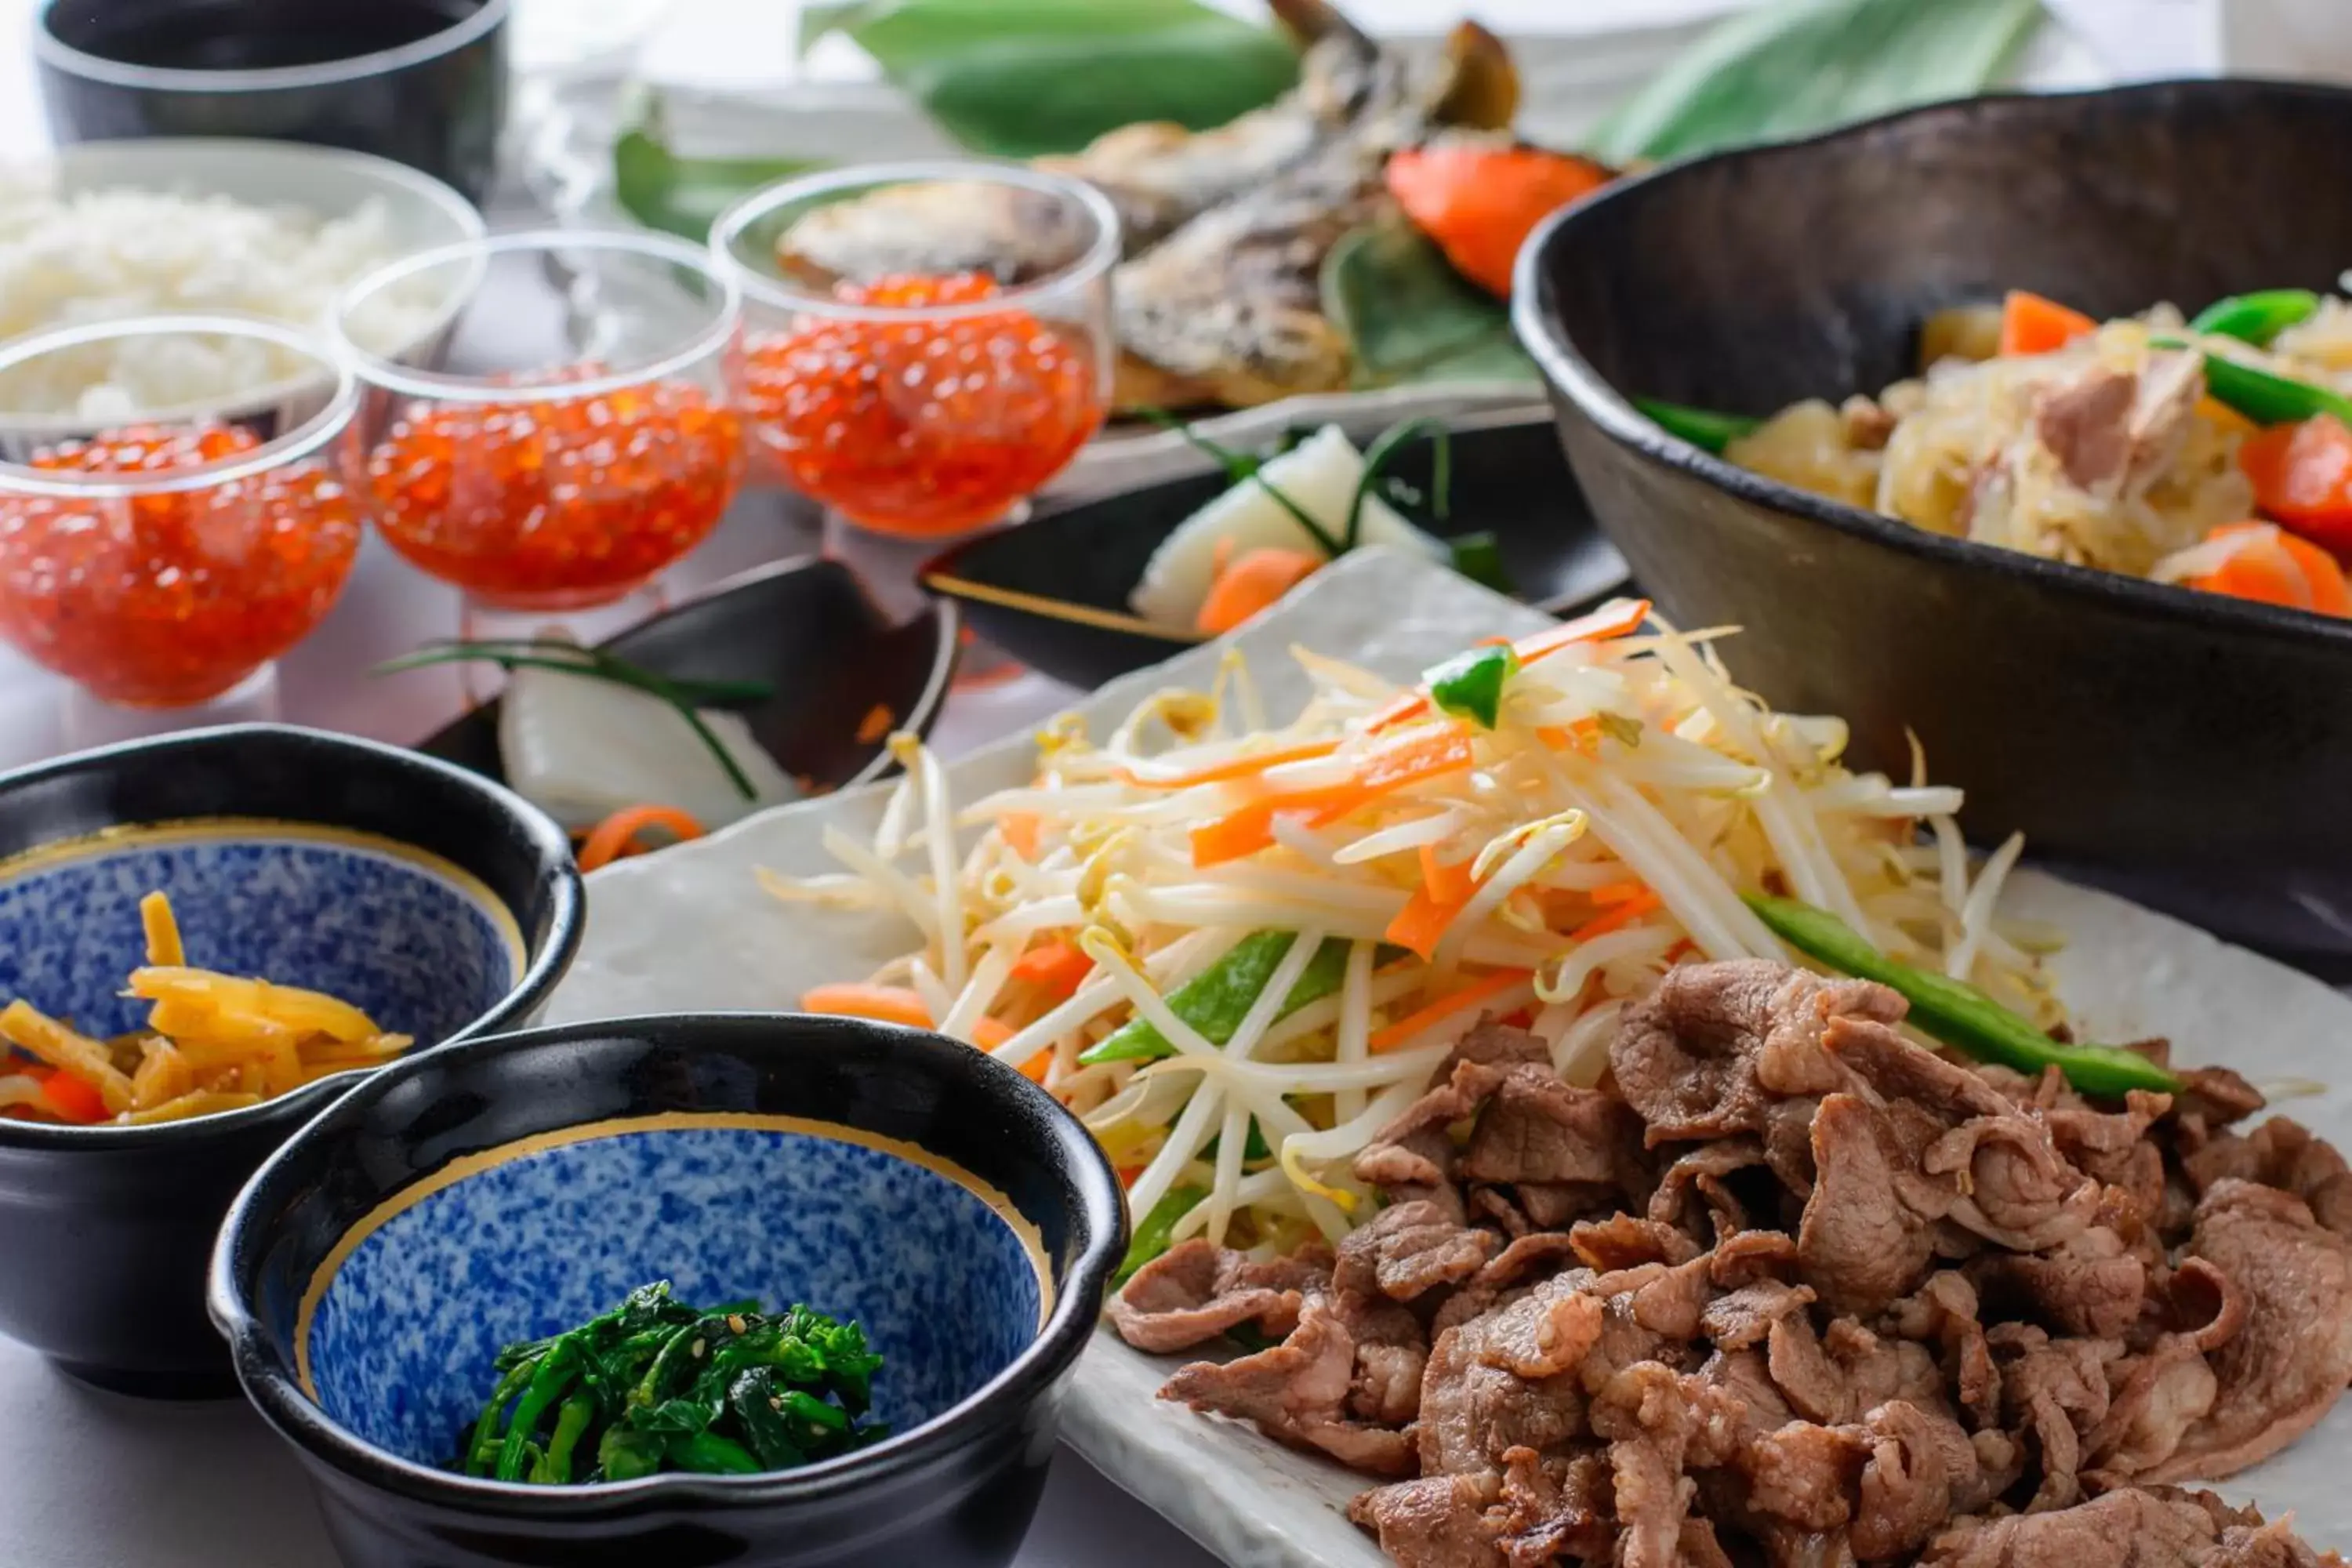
(1241, 468)
(1955, 1012)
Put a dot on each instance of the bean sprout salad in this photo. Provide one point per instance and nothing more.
(1236, 949)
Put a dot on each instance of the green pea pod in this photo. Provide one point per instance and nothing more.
(1151, 1233)
(2263, 397)
(1957, 1012)
(1701, 427)
(1216, 1001)
(2256, 318)
(1471, 686)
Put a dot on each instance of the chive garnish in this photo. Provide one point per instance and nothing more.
(553, 653)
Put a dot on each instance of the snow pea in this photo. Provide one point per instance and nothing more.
(2261, 397)
(1216, 1001)
(1955, 1012)
(2256, 318)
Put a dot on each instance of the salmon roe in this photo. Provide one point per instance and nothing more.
(168, 599)
(556, 504)
(921, 428)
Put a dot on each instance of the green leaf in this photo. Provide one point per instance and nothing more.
(1791, 68)
(1411, 317)
(1021, 79)
(683, 196)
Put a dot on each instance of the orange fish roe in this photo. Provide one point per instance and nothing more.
(558, 504)
(168, 599)
(921, 428)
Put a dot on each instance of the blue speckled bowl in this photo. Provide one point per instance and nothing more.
(439, 903)
(509, 1187)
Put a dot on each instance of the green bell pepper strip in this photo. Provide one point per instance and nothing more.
(2256, 318)
(1152, 1234)
(2263, 397)
(1471, 686)
(1216, 1001)
(1701, 427)
(1957, 1012)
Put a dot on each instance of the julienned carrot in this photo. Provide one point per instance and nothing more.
(1021, 830)
(612, 837)
(1451, 884)
(72, 1098)
(1250, 583)
(1619, 618)
(1247, 765)
(1425, 751)
(855, 999)
(2030, 324)
(991, 1033)
(1623, 893)
(1057, 965)
(1624, 913)
(1390, 1035)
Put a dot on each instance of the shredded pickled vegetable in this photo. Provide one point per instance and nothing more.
(1549, 868)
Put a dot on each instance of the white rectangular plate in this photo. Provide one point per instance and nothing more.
(688, 931)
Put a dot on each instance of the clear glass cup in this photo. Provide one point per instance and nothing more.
(158, 553)
(926, 345)
(578, 442)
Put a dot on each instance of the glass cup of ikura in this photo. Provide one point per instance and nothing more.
(580, 441)
(159, 556)
(926, 344)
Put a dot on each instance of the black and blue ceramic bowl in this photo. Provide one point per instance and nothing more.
(508, 1188)
(436, 901)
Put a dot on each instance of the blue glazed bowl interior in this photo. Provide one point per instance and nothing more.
(398, 1330)
(417, 943)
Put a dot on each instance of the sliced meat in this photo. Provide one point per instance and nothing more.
(2091, 1285)
(1866, 1237)
(1708, 1162)
(1534, 1128)
(2114, 1147)
(2130, 1529)
(1921, 1467)
(1900, 1072)
(2016, 1190)
(1746, 1316)
(1708, 1049)
(1805, 1474)
(1623, 1241)
(1658, 1423)
(1196, 1290)
(1803, 1373)
(2280, 1153)
(1437, 1522)
(1408, 1249)
(2053, 1392)
(1298, 1392)
(1751, 1256)
(1944, 1313)
(2281, 1371)
(2113, 432)
(1509, 1379)
(2154, 1399)
(1555, 1507)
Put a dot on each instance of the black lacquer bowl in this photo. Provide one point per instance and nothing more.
(841, 676)
(1053, 591)
(422, 82)
(2193, 750)
(508, 1188)
(436, 901)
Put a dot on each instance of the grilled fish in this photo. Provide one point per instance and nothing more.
(1224, 231)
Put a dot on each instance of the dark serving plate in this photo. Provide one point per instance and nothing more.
(2194, 750)
(809, 629)
(1052, 590)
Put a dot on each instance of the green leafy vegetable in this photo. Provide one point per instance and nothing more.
(683, 195)
(1411, 317)
(554, 653)
(1470, 685)
(1792, 68)
(1152, 1234)
(1703, 428)
(2259, 317)
(1019, 78)
(1955, 1012)
(1216, 1001)
(656, 1384)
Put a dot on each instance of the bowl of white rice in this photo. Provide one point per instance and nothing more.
(108, 230)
